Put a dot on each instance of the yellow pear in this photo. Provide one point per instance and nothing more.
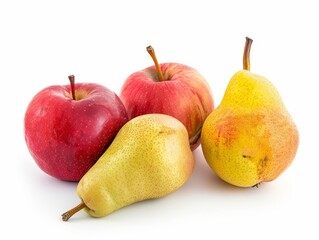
(250, 137)
(150, 157)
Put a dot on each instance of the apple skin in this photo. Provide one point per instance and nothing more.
(66, 137)
(184, 94)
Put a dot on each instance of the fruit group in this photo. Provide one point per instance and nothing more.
(67, 128)
(149, 158)
(250, 137)
(173, 89)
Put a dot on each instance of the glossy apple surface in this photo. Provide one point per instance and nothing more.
(66, 136)
(182, 93)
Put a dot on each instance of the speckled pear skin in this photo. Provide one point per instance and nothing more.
(149, 158)
(250, 137)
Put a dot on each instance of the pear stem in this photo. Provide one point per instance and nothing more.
(71, 212)
(246, 58)
(151, 51)
(71, 78)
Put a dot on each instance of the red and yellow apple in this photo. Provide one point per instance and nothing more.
(169, 88)
(67, 128)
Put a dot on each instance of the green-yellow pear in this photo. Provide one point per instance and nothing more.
(150, 157)
(250, 137)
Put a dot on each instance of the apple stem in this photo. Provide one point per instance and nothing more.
(151, 51)
(246, 58)
(71, 78)
(71, 212)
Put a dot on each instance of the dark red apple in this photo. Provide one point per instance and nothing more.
(173, 89)
(67, 128)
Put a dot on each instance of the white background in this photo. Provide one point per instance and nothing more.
(42, 42)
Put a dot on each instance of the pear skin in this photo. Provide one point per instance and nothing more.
(149, 158)
(250, 137)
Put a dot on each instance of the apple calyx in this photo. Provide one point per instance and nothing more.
(67, 215)
(71, 78)
(246, 57)
(151, 51)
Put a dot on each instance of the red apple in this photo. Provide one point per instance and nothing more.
(67, 128)
(173, 89)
